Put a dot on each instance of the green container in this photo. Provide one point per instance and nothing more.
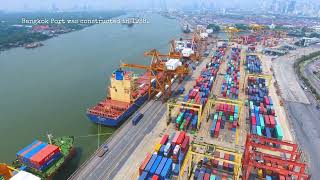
(231, 119)
(261, 121)
(213, 177)
(279, 132)
(259, 130)
(182, 124)
(215, 116)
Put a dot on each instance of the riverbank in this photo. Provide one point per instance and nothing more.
(49, 89)
(15, 32)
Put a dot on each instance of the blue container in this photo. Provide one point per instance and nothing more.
(176, 168)
(155, 165)
(28, 147)
(143, 176)
(196, 173)
(34, 151)
(167, 170)
(119, 75)
(201, 175)
(161, 165)
(150, 163)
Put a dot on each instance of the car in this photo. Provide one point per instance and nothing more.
(103, 151)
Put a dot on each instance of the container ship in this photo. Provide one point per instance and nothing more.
(126, 94)
(45, 159)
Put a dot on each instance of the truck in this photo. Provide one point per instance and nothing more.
(137, 118)
(103, 151)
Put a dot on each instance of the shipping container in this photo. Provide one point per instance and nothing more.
(164, 139)
(143, 176)
(150, 163)
(144, 163)
(155, 177)
(155, 165)
(44, 155)
(161, 166)
(167, 170)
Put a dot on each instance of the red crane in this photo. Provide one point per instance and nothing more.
(283, 159)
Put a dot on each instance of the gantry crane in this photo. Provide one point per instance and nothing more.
(270, 154)
(6, 171)
(203, 150)
(232, 33)
(172, 52)
(163, 76)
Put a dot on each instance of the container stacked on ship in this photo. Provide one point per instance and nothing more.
(126, 94)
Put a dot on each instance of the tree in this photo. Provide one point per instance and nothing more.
(214, 27)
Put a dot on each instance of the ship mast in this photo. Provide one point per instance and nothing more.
(50, 136)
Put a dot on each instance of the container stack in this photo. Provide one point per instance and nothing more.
(253, 64)
(225, 115)
(261, 111)
(230, 85)
(167, 158)
(199, 93)
(215, 168)
(39, 155)
(251, 49)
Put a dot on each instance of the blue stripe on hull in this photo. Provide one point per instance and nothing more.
(116, 122)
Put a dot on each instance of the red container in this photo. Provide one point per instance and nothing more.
(181, 137)
(175, 138)
(217, 129)
(164, 139)
(155, 177)
(272, 122)
(144, 163)
(225, 166)
(266, 120)
(206, 176)
(44, 155)
(253, 120)
(226, 156)
(185, 144)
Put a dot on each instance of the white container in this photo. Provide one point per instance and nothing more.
(209, 31)
(172, 64)
(187, 52)
(203, 35)
(176, 150)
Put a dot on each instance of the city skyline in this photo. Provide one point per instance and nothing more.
(306, 7)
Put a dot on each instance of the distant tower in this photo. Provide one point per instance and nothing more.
(292, 6)
(163, 5)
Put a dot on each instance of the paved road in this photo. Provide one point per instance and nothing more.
(308, 71)
(126, 139)
(122, 144)
(305, 123)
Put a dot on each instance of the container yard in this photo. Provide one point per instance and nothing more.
(214, 105)
(219, 127)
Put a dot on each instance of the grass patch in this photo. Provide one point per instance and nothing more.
(299, 66)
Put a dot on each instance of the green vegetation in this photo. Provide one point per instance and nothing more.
(299, 66)
(214, 27)
(14, 34)
(242, 27)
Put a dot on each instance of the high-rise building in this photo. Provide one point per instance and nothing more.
(291, 6)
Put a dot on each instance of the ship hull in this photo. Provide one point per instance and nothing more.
(123, 117)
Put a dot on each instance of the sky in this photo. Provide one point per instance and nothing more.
(31, 5)
(21, 5)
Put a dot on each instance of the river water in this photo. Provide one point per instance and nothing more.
(48, 89)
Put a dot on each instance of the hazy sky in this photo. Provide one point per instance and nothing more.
(18, 5)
